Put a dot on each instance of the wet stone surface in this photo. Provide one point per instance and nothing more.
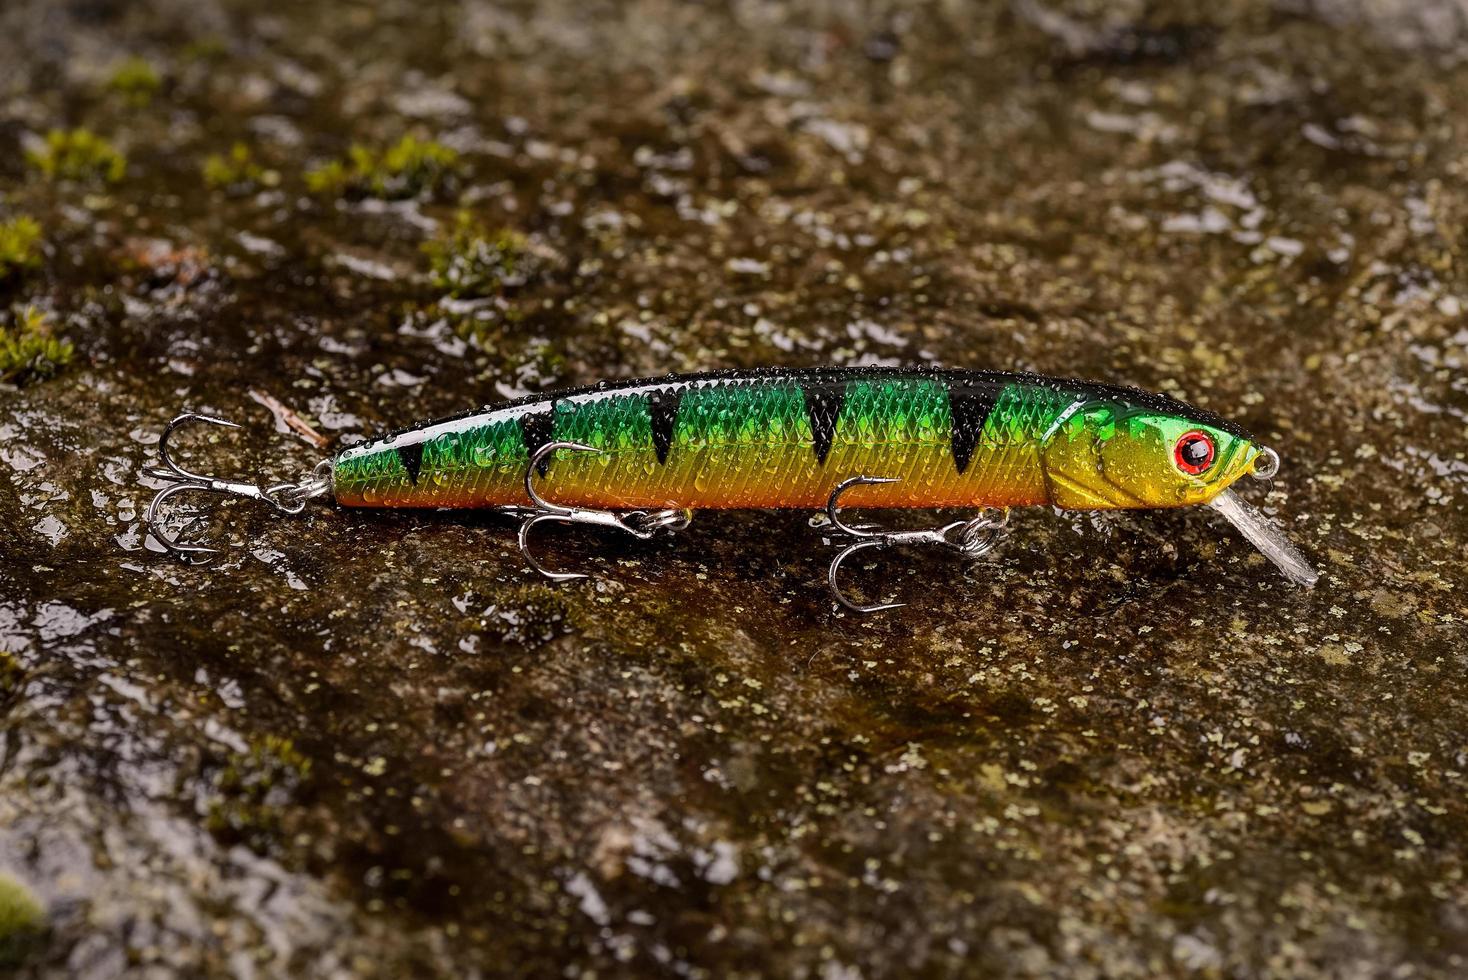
(374, 744)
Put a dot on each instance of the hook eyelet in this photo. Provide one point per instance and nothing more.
(1266, 464)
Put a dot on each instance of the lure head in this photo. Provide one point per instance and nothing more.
(1116, 448)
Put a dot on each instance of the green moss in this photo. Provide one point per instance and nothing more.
(419, 163)
(11, 673)
(29, 350)
(136, 81)
(330, 179)
(20, 245)
(22, 922)
(470, 262)
(210, 47)
(80, 155)
(237, 172)
(252, 790)
(408, 168)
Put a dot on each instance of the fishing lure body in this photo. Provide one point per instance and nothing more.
(639, 456)
(788, 438)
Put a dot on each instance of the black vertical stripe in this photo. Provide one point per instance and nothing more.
(823, 401)
(662, 405)
(537, 429)
(970, 408)
(411, 456)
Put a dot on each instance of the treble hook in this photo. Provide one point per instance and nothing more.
(971, 538)
(286, 498)
(641, 524)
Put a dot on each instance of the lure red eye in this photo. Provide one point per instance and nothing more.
(1194, 453)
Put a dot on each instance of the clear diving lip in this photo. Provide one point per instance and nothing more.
(1265, 535)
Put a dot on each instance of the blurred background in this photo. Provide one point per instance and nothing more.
(376, 745)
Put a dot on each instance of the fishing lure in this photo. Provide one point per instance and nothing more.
(641, 456)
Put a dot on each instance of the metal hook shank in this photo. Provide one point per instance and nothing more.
(972, 539)
(641, 524)
(287, 498)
